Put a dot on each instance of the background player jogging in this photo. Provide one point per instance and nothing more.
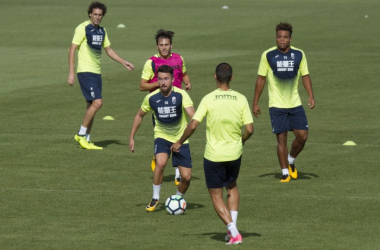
(89, 39)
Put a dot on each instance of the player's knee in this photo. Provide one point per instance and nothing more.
(302, 138)
(160, 167)
(186, 179)
(97, 103)
(282, 139)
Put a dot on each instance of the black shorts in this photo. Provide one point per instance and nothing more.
(91, 85)
(182, 158)
(221, 174)
(288, 119)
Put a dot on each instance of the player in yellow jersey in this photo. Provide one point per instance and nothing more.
(227, 111)
(89, 39)
(164, 43)
(283, 65)
(169, 105)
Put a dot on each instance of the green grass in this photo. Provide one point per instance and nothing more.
(57, 196)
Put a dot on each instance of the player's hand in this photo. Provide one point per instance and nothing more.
(71, 79)
(132, 145)
(256, 110)
(128, 65)
(188, 86)
(175, 147)
(311, 103)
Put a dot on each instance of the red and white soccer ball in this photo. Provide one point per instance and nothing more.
(175, 205)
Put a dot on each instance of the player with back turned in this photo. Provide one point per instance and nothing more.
(226, 111)
(283, 65)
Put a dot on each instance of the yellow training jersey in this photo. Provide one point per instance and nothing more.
(282, 71)
(227, 112)
(169, 113)
(90, 41)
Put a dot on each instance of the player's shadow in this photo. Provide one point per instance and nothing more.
(161, 206)
(170, 178)
(105, 143)
(301, 175)
(221, 236)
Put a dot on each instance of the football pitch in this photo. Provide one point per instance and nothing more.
(55, 195)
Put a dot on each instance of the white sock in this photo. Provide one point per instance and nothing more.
(234, 215)
(177, 174)
(179, 193)
(156, 191)
(88, 137)
(285, 171)
(82, 130)
(233, 230)
(290, 159)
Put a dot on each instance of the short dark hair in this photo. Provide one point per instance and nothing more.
(97, 5)
(285, 26)
(165, 69)
(223, 73)
(165, 34)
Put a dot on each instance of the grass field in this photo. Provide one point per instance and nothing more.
(55, 195)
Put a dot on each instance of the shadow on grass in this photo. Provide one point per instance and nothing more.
(170, 178)
(105, 143)
(301, 175)
(220, 236)
(161, 206)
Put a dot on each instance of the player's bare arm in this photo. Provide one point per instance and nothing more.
(71, 77)
(260, 82)
(190, 111)
(247, 132)
(306, 80)
(186, 80)
(145, 85)
(190, 129)
(136, 124)
(112, 54)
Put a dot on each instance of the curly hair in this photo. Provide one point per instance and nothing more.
(165, 34)
(97, 5)
(285, 26)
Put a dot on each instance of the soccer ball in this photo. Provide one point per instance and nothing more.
(175, 205)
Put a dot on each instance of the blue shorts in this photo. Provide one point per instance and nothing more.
(221, 174)
(182, 158)
(91, 85)
(288, 119)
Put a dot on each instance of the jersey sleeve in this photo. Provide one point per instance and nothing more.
(145, 104)
(303, 66)
(183, 65)
(186, 102)
(247, 114)
(147, 72)
(264, 65)
(79, 35)
(106, 41)
(201, 112)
